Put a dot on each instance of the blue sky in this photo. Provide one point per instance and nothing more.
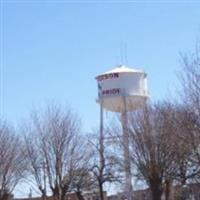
(52, 50)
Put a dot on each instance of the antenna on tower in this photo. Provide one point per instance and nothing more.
(123, 53)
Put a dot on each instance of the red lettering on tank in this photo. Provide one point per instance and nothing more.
(108, 76)
(112, 91)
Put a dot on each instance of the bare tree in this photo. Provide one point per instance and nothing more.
(57, 141)
(12, 163)
(104, 163)
(190, 82)
(81, 176)
(186, 169)
(36, 161)
(82, 181)
(152, 146)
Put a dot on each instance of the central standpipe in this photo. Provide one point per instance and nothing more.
(101, 146)
(128, 190)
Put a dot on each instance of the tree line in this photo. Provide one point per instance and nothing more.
(52, 155)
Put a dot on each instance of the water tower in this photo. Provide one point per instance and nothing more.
(122, 90)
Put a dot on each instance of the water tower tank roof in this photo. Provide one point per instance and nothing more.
(122, 69)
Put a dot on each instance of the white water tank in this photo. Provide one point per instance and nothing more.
(122, 89)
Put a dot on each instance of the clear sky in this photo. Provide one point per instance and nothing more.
(52, 50)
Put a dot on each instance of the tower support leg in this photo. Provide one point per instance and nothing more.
(128, 190)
